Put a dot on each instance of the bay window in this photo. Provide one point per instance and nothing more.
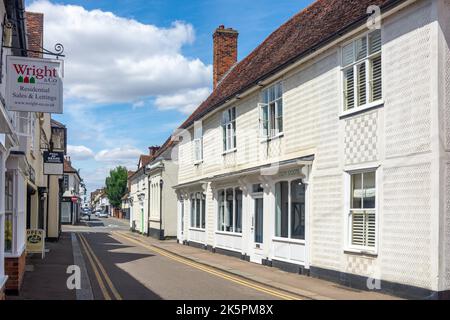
(362, 218)
(9, 212)
(198, 210)
(290, 210)
(229, 129)
(230, 210)
(362, 71)
(271, 112)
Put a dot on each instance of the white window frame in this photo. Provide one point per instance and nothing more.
(349, 247)
(229, 135)
(233, 227)
(275, 132)
(289, 238)
(367, 61)
(198, 143)
(193, 211)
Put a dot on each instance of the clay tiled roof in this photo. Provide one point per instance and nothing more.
(68, 167)
(313, 27)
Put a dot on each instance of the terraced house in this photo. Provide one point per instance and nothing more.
(325, 151)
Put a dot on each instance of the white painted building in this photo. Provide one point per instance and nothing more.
(12, 153)
(326, 151)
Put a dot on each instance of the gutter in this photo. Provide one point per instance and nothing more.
(292, 62)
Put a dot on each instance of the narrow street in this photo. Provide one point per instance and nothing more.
(121, 268)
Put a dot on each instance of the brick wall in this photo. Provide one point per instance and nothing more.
(225, 52)
(15, 270)
(35, 33)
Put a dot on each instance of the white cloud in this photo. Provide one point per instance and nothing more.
(110, 59)
(185, 102)
(80, 152)
(127, 156)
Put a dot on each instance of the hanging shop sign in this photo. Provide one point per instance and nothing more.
(36, 241)
(53, 163)
(34, 85)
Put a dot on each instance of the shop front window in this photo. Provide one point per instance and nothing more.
(290, 210)
(8, 212)
(230, 210)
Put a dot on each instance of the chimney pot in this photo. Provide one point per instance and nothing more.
(225, 52)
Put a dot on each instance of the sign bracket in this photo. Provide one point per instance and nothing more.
(58, 50)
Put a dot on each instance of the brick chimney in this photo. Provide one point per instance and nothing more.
(35, 33)
(153, 150)
(225, 52)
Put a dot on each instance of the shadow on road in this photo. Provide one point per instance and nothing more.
(111, 254)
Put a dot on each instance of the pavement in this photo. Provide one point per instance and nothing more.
(116, 264)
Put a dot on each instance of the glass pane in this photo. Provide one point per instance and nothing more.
(197, 213)
(238, 209)
(265, 121)
(228, 223)
(297, 210)
(272, 119)
(279, 91)
(257, 188)
(8, 232)
(369, 190)
(361, 48)
(375, 41)
(271, 94)
(265, 95)
(282, 209)
(259, 223)
(192, 211)
(347, 55)
(356, 194)
(220, 219)
(233, 114)
(203, 210)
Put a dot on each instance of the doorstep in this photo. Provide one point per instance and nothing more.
(307, 287)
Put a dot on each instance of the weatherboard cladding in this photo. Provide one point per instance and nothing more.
(307, 30)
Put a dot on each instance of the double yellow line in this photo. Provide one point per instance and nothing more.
(212, 271)
(99, 271)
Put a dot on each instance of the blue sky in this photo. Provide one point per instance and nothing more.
(135, 68)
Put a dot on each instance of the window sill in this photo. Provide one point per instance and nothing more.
(276, 137)
(362, 252)
(288, 240)
(229, 151)
(227, 233)
(361, 109)
(197, 229)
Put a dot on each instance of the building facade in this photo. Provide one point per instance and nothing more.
(71, 198)
(325, 151)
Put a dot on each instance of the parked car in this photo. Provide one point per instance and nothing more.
(103, 214)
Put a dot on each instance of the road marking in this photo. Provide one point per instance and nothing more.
(211, 270)
(100, 282)
(102, 269)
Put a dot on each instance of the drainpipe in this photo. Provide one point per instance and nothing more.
(161, 184)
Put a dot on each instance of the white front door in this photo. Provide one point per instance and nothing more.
(181, 220)
(256, 211)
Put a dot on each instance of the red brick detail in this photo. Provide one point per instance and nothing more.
(225, 52)
(35, 33)
(15, 270)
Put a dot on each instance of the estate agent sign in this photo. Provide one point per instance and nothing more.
(53, 163)
(34, 85)
(35, 241)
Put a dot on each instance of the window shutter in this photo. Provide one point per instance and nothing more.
(363, 228)
(376, 79)
(362, 95)
(349, 88)
(374, 41)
